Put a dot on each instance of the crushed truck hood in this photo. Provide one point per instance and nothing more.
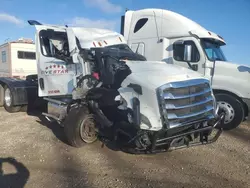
(153, 74)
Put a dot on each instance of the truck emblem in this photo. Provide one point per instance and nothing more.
(55, 70)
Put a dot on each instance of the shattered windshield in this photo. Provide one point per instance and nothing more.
(213, 50)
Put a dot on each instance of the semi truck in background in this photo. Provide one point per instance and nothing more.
(163, 35)
(95, 85)
(17, 63)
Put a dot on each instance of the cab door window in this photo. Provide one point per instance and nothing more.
(53, 43)
(178, 51)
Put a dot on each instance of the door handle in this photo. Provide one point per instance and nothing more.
(41, 83)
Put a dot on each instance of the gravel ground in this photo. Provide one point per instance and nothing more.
(42, 159)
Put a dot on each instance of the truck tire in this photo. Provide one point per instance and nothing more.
(8, 101)
(233, 108)
(79, 127)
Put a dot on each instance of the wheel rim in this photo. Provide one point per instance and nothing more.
(7, 97)
(228, 109)
(87, 130)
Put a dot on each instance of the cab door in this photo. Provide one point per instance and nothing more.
(56, 68)
(197, 59)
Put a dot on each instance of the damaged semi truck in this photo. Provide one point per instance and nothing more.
(161, 35)
(95, 86)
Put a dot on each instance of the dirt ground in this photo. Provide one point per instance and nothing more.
(34, 154)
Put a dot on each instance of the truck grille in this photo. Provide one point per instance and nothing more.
(186, 102)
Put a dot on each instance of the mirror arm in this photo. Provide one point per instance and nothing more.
(190, 66)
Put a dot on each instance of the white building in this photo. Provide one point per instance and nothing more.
(18, 58)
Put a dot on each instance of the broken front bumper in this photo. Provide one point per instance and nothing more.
(202, 136)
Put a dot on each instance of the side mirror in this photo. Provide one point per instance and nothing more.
(187, 53)
(52, 49)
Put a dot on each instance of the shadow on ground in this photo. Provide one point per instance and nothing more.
(240, 133)
(58, 130)
(72, 175)
(54, 126)
(17, 179)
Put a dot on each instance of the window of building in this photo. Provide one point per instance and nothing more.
(4, 57)
(140, 23)
(26, 55)
(178, 50)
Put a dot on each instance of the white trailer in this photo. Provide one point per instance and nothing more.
(162, 35)
(18, 59)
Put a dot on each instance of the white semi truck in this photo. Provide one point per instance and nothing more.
(162, 35)
(95, 85)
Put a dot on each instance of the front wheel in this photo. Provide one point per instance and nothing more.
(80, 127)
(233, 108)
(8, 101)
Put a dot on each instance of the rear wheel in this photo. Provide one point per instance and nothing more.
(79, 127)
(233, 108)
(8, 101)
